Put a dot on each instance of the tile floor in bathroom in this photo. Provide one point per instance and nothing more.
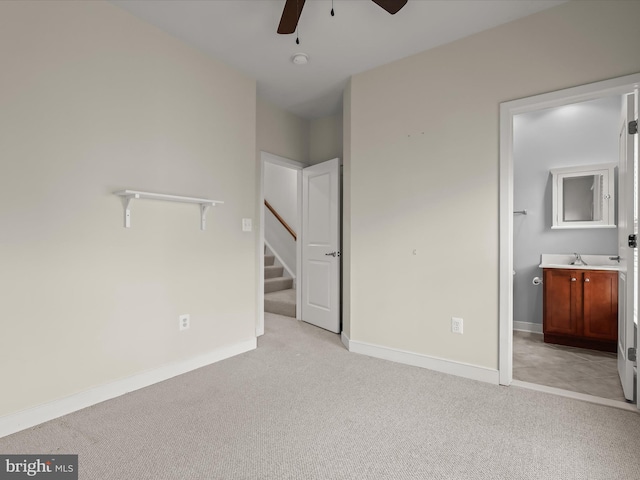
(576, 369)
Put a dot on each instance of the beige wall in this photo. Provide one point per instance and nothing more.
(287, 135)
(346, 212)
(423, 166)
(325, 139)
(93, 101)
(281, 133)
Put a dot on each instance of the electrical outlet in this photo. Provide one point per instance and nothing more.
(456, 325)
(184, 321)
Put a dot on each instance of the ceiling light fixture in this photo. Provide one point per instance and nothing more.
(300, 59)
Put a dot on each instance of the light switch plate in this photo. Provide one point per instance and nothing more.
(247, 225)
(456, 325)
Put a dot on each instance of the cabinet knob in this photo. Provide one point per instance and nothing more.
(586, 280)
(573, 279)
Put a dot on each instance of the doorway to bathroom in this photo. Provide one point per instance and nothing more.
(575, 127)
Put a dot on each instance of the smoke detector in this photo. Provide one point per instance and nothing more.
(300, 59)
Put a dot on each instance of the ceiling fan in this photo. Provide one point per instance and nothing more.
(293, 9)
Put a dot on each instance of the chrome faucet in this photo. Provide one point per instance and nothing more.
(578, 260)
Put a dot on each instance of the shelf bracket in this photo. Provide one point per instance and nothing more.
(126, 202)
(203, 214)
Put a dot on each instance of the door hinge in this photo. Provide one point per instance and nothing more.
(631, 354)
(633, 127)
(633, 240)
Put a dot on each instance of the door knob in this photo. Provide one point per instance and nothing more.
(587, 280)
(333, 254)
(573, 279)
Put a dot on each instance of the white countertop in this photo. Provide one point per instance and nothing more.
(592, 262)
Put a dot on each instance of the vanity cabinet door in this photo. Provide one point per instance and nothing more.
(581, 308)
(562, 301)
(600, 317)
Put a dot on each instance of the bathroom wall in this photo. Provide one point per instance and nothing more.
(572, 135)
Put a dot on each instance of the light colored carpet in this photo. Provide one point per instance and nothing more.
(282, 302)
(302, 407)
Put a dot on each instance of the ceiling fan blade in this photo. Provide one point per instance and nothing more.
(290, 16)
(391, 6)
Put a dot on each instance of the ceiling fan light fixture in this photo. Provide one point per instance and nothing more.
(300, 59)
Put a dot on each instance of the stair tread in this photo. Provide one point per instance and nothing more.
(281, 302)
(288, 295)
(279, 295)
(276, 279)
(273, 271)
(277, 283)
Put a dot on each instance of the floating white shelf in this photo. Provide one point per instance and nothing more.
(128, 195)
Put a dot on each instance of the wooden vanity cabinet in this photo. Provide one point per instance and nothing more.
(581, 308)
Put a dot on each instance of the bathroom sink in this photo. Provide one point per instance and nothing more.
(591, 262)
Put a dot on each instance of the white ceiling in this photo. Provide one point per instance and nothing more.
(361, 36)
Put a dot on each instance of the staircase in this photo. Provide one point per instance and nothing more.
(279, 294)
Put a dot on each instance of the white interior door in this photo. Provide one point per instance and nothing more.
(627, 225)
(636, 157)
(321, 245)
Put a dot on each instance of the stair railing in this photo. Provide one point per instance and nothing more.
(281, 220)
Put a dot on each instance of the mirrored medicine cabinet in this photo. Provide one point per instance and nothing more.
(583, 196)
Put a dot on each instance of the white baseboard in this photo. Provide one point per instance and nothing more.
(527, 327)
(24, 419)
(459, 369)
(345, 340)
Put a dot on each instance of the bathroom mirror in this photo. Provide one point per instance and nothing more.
(583, 197)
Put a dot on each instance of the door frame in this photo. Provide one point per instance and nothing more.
(592, 91)
(266, 157)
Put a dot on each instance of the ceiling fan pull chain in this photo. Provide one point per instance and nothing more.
(298, 24)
